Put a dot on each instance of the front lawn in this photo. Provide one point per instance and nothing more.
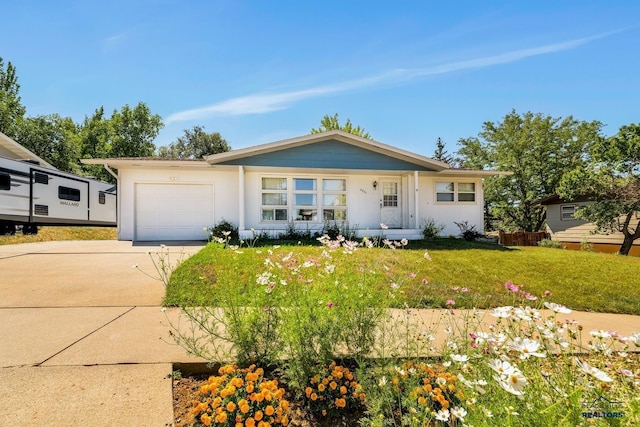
(471, 274)
(49, 234)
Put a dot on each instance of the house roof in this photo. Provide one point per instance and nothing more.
(237, 156)
(11, 149)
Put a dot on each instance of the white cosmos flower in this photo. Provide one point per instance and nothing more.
(513, 382)
(382, 382)
(459, 358)
(487, 413)
(600, 334)
(501, 367)
(441, 381)
(458, 413)
(635, 338)
(443, 415)
(558, 308)
(526, 347)
(594, 372)
(502, 312)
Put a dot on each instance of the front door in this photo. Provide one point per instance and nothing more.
(390, 203)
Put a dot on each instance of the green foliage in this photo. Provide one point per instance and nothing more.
(195, 144)
(468, 232)
(11, 110)
(612, 181)
(332, 123)
(334, 392)
(431, 229)
(54, 138)
(441, 153)
(548, 243)
(224, 230)
(539, 150)
(134, 130)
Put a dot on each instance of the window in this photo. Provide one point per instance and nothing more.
(452, 191)
(308, 199)
(390, 194)
(567, 212)
(5, 181)
(41, 178)
(305, 199)
(334, 199)
(66, 193)
(102, 199)
(274, 199)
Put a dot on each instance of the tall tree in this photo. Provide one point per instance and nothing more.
(195, 144)
(134, 130)
(332, 123)
(54, 138)
(441, 153)
(612, 181)
(11, 110)
(96, 135)
(539, 150)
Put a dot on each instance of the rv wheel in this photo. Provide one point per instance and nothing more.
(7, 230)
(28, 229)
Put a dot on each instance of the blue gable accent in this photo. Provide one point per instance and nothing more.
(329, 154)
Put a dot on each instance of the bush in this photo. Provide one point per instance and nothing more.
(241, 396)
(548, 243)
(224, 230)
(468, 232)
(431, 229)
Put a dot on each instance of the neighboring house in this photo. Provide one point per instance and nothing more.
(303, 182)
(564, 227)
(12, 150)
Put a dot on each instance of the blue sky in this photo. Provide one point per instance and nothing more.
(261, 71)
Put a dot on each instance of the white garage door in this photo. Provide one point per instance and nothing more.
(173, 211)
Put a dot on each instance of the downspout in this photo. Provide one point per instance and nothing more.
(416, 205)
(241, 197)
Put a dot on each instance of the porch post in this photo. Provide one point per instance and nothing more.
(241, 198)
(416, 206)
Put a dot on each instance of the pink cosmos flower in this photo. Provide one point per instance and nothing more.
(451, 302)
(547, 293)
(511, 287)
(330, 304)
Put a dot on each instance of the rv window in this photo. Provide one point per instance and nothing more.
(41, 178)
(101, 198)
(66, 193)
(5, 181)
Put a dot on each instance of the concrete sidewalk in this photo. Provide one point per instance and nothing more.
(83, 339)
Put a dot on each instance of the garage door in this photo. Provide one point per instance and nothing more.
(173, 211)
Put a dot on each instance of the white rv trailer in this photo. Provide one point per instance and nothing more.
(32, 196)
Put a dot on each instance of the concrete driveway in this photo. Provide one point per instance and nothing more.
(82, 335)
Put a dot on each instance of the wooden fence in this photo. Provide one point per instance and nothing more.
(521, 238)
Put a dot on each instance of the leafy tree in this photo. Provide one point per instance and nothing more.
(332, 123)
(11, 110)
(441, 153)
(54, 138)
(134, 130)
(96, 135)
(539, 150)
(195, 144)
(612, 181)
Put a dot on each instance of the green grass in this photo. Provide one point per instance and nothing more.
(580, 280)
(48, 234)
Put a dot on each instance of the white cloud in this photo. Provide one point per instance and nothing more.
(266, 102)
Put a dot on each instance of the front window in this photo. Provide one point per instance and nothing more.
(453, 191)
(308, 199)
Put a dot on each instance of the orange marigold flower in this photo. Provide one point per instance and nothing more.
(340, 403)
(284, 404)
(250, 388)
(205, 419)
(231, 406)
(325, 381)
(284, 421)
(239, 425)
(343, 390)
(314, 396)
(333, 385)
(269, 410)
(308, 391)
(258, 415)
(324, 412)
(321, 387)
(250, 422)
(221, 417)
